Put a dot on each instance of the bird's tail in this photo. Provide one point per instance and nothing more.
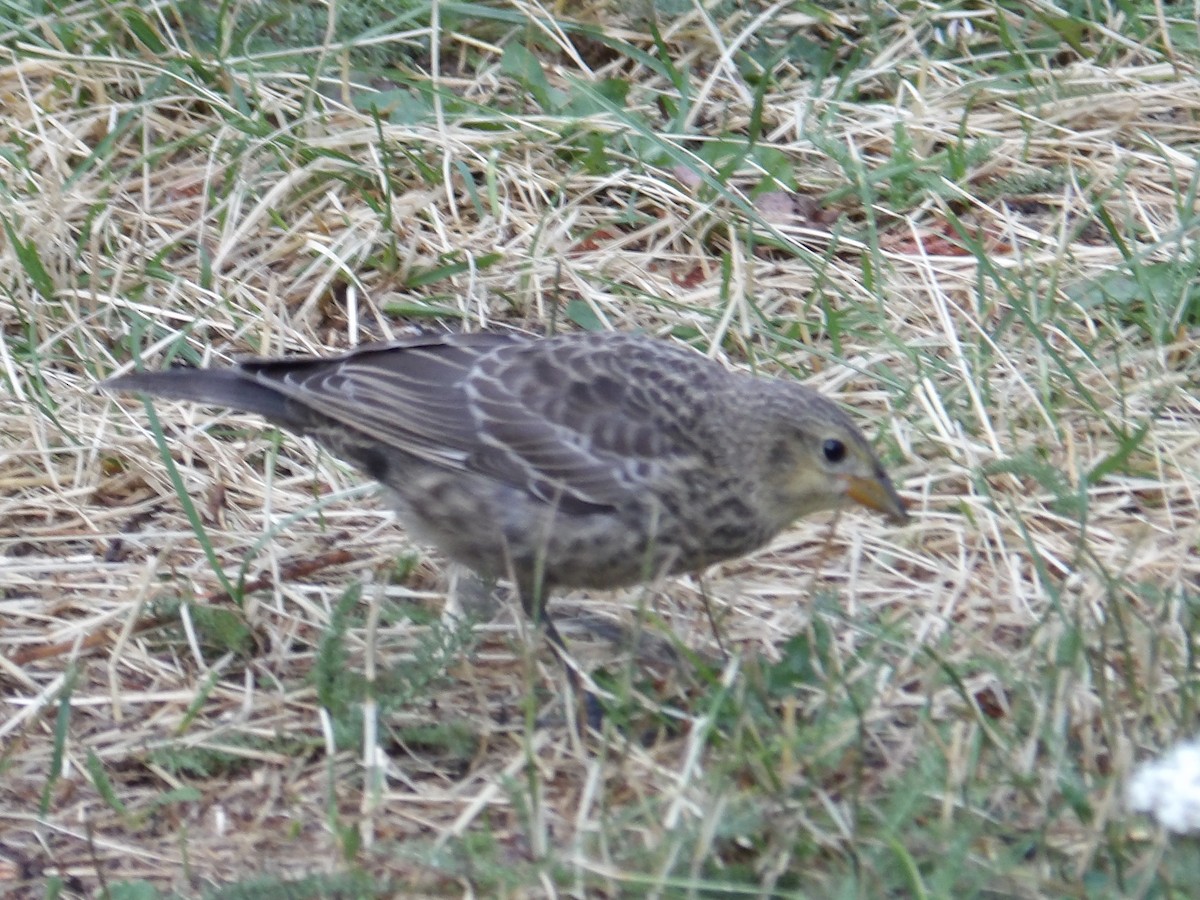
(218, 387)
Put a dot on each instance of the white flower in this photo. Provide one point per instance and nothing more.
(1168, 788)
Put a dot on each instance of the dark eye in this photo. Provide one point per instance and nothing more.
(834, 450)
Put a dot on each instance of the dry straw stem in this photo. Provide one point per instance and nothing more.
(1030, 628)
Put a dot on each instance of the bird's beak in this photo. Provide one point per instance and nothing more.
(878, 494)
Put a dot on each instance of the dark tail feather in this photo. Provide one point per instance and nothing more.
(217, 387)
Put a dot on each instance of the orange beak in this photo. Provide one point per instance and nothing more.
(878, 494)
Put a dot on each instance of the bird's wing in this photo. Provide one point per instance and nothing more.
(406, 394)
(586, 422)
(578, 423)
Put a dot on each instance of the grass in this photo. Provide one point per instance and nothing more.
(973, 223)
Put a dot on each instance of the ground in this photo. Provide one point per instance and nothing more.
(226, 671)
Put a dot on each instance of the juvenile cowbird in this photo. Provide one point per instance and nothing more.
(581, 460)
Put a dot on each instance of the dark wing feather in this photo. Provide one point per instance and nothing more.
(406, 394)
(575, 421)
(583, 422)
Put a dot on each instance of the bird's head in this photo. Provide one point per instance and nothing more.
(818, 459)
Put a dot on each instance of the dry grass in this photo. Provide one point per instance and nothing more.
(989, 256)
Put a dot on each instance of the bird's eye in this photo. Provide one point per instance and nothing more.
(834, 450)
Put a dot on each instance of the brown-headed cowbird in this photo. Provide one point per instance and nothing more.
(580, 460)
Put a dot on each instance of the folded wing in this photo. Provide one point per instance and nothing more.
(574, 422)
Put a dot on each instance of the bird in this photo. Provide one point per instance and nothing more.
(579, 460)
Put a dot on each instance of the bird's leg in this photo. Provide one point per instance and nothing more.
(534, 605)
(471, 596)
(712, 621)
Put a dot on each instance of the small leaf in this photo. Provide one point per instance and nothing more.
(582, 314)
(522, 66)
